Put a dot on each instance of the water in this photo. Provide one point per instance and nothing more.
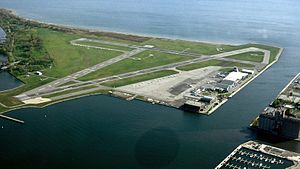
(104, 132)
(6, 80)
(243, 155)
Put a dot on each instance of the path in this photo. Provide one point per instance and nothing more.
(55, 86)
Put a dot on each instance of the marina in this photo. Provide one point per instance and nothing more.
(260, 156)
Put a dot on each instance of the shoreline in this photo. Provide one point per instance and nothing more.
(262, 71)
(231, 95)
(249, 81)
(253, 125)
(98, 29)
(51, 102)
(85, 30)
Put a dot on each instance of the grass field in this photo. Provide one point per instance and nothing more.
(47, 48)
(249, 56)
(96, 92)
(99, 44)
(2, 109)
(139, 78)
(192, 47)
(32, 82)
(274, 50)
(212, 63)
(148, 59)
(68, 58)
(205, 48)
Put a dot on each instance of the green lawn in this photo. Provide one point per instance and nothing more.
(31, 82)
(139, 78)
(2, 109)
(118, 37)
(212, 63)
(38, 48)
(148, 59)
(249, 56)
(192, 47)
(274, 50)
(99, 44)
(205, 48)
(68, 58)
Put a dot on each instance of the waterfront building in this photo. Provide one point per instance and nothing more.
(282, 117)
(277, 122)
(236, 76)
(248, 71)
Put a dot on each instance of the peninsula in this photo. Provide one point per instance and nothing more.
(57, 63)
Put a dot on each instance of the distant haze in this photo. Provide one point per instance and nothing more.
(212, 20)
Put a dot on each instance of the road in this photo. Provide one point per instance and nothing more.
(82, 92)
(174, 52)
(75, 43)
(55, 86)
(184, 52)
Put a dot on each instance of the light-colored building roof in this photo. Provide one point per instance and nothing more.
(235, 76)
(38, 73)
(248, 71)
(148, 46)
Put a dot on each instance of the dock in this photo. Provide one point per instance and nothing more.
(260, 156)
(12, 119)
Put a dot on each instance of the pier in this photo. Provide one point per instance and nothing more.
(260, 156)
(12, 119)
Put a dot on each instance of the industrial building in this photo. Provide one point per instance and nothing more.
(236, 76)
(276, 122)
(248, 71)
(198, 104)
(193, 106)
(281, 118)
(207, 95)
(230, 81)
(225, 85)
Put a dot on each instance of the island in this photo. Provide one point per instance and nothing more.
(58, 63)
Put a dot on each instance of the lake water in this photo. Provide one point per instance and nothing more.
(105, 132)
(6, 80)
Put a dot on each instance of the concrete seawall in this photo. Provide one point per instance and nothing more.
(12, 119)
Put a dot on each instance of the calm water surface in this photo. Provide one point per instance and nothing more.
(105, 132)
(6, 80)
